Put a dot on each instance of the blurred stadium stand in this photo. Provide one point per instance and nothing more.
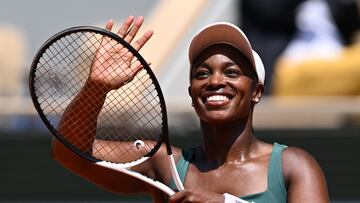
(326, 126)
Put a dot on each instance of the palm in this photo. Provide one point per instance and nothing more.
(112, 64)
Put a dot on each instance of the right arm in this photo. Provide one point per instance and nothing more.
(80, 117)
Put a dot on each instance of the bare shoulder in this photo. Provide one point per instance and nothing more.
(304, 177)
(296, 156)
(296, 160)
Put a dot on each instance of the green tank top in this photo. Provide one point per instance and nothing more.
(276, 191)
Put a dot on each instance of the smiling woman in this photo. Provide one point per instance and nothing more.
(226, 82)
(231, 165)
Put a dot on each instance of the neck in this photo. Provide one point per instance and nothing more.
(227, 143)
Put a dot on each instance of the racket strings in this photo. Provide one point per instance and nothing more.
(111, 118)
(129, 114)
(138, 117)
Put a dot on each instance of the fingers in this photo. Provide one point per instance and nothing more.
(109, 24)
(129, 30)
(134, 29)
(177, 197)
(142, 40)
(125, 26)
(196, 194)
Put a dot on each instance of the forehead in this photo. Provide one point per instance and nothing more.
(226, 50)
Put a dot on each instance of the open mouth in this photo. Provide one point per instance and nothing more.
(217, 98)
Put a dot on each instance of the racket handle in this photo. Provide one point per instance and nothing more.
(175, 173)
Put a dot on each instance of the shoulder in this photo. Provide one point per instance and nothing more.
(295, 160)
(290, 153)
(303, 175)
(297, 163)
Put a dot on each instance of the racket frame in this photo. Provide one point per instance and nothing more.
(117, 166)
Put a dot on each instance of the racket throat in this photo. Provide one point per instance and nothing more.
(137, 175)
(175, 173)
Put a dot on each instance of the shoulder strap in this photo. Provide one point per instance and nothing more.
(275, 176)
(182, 166)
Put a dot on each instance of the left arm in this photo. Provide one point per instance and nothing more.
(303, 176)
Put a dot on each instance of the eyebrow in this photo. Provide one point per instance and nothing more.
(197, 66)
(203, 64)
(231, 63)
(206, 65)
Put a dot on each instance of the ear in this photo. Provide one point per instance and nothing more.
(258, 92)
(189, 92)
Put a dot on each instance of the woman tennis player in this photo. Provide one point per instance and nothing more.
(226, 82)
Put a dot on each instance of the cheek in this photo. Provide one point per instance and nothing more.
(194, 89)
(245, 92)
(245, 105)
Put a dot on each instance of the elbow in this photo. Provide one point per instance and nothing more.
(66, 157)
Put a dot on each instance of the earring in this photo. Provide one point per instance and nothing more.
(256, 99)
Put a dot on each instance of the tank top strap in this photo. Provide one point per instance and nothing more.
(275, 175)
(182, 166)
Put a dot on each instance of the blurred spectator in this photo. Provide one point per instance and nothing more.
(316, 36)
(321, 59)
(271, 25)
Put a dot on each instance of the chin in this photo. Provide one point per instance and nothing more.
(221, 117)
(217, 119)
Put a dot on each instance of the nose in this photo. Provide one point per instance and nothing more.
(216, 81)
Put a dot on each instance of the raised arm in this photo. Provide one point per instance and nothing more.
(80, 117)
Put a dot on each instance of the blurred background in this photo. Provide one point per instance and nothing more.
(311, 52)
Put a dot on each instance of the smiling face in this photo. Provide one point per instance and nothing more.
(223, 85)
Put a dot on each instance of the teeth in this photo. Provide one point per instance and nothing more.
(217, 98)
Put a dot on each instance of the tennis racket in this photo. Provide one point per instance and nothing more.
(123, 128)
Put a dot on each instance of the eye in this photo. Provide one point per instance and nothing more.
(232, 73)
(201, 74)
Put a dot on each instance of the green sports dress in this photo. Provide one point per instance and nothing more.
(276, 191)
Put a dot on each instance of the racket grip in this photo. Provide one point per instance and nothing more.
(175, 173)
